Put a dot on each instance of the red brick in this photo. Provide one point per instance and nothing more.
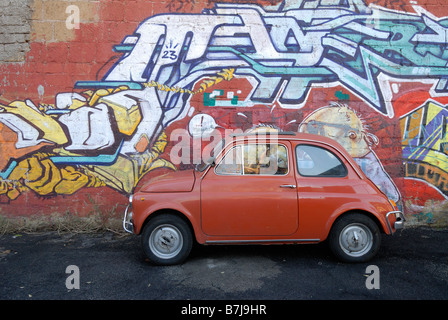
(137, 11)
(54, 52)
(117, 33)
(78, 69)
(53, 67)
(111, 32)
(88, 33)
(59, 80)
(35, 51)
(36, 67)
(104, 52)
(81, 52)
(112, 11)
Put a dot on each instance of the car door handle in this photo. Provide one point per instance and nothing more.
(292, 186)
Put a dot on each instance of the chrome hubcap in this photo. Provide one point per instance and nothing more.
(356, 239)
(165, 241)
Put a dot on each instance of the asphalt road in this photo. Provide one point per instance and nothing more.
(412, 264)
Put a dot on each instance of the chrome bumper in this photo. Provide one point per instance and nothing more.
(399, 220)
(128, 225)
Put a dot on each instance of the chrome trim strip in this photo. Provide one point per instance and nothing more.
(260, 241)
(206, 170)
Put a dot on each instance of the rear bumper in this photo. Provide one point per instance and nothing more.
(399, 221)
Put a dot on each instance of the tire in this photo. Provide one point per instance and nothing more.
(167, 240)
(355, 238)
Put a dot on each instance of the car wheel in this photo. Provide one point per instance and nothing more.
(167, 239)
(355, 238)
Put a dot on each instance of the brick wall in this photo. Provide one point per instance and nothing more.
(384, 68)
(15, 22)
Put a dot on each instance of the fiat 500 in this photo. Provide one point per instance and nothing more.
(294, 188)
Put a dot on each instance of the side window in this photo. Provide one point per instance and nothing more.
(314, 161)
(255, 159)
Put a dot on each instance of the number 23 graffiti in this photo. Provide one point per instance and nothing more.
(170, 53)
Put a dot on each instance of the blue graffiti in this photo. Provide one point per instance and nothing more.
(290, 47)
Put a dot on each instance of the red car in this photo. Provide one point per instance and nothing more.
(287, 188)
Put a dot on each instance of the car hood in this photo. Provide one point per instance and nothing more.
(178, 181)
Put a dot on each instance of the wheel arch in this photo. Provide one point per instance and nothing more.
(366, 213)
(173, 212)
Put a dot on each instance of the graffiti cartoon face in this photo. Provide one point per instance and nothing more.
(341, 124)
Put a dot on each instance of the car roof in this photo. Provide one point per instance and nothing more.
(288, 135)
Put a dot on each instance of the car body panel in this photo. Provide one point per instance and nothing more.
(247, 205)
(179, 181)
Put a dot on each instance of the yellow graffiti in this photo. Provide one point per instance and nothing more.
(127, 119)
(226, 74)
(39, 174)
(98, 94)
(51, 129)
(12, 189)
(151, 158)
(433, 139)
(126, 172)
(424, 137)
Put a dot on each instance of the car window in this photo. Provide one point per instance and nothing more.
(232, 162)
(313, 161)
(255, 159)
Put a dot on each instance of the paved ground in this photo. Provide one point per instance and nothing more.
(413, 264)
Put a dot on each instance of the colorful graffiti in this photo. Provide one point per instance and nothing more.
(80, 130)
(349, 43)
(334, 68)
(424, 144)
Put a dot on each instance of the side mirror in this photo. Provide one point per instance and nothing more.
(202, 166)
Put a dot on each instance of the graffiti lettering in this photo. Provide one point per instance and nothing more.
(336, 44)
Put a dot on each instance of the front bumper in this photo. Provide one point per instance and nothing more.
(128, 224)
(399, 221)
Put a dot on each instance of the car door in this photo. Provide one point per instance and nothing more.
(250, 192)
(324, 186)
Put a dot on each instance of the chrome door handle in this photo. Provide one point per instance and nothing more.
(292, 186)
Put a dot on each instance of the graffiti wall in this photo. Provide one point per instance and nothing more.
(96, 104)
